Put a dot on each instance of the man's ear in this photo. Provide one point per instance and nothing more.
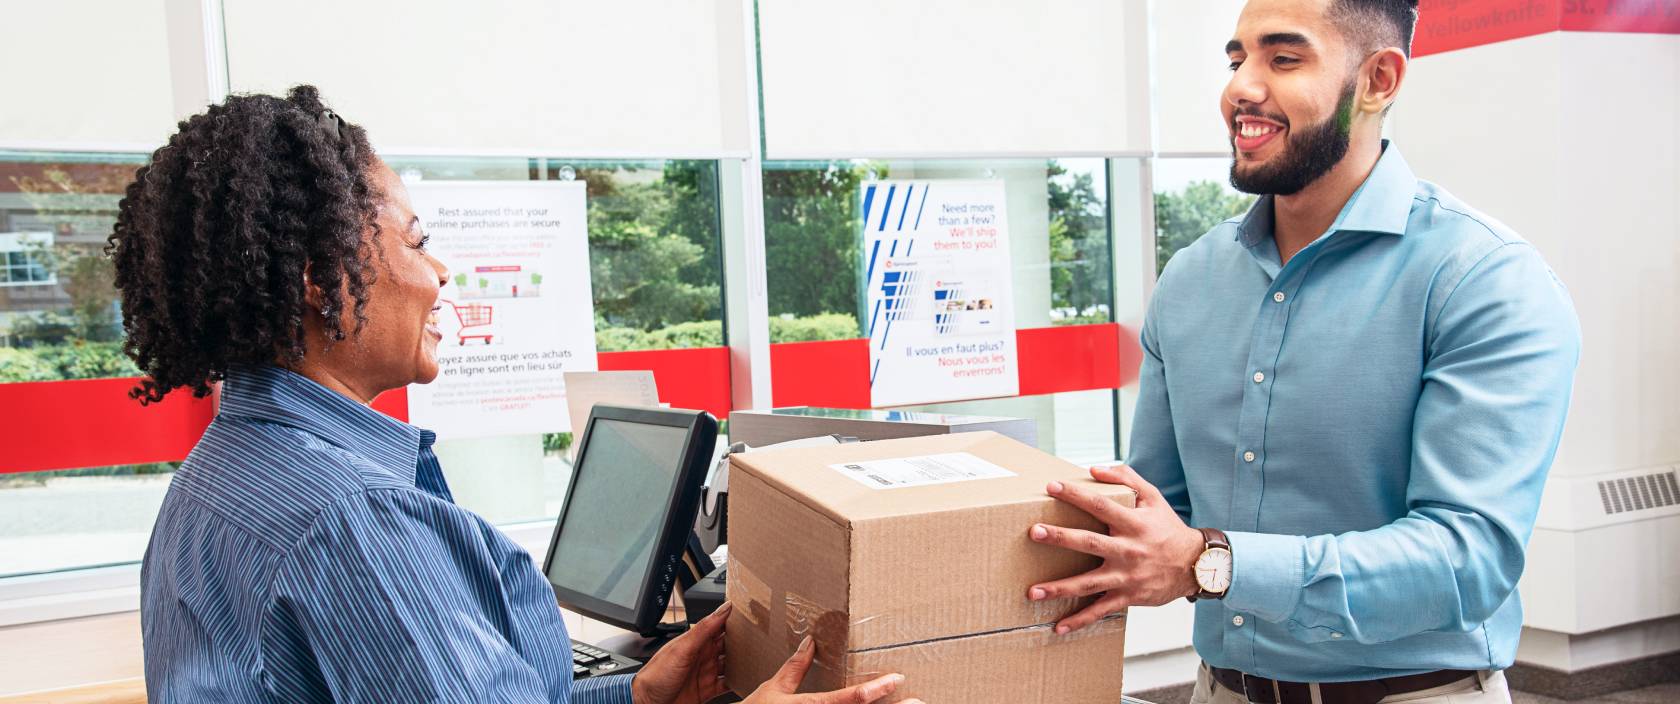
(1383, 72)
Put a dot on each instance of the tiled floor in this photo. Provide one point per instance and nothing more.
(1660, 694)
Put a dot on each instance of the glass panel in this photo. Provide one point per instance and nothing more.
(1191, 196)
(654, 259)
(657, 284)
(78, 518)
(1059, 243)
(59, 315)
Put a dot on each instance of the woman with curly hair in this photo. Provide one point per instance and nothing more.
(309, 549)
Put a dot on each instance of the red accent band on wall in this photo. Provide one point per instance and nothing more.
(688, 378)
(1449, 25)
(1051, 360)
(92, 423)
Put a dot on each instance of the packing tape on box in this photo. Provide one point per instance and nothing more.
(750, 593)
(825, 627)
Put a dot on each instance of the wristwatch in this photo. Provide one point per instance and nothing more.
(1213, 568)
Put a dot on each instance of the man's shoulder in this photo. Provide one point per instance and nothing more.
(1453, 239)
(1442, 222)
(1219, 246)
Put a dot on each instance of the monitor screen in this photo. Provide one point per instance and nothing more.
(618, 504)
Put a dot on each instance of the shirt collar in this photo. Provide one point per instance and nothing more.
(281, 396)
(1383, 203)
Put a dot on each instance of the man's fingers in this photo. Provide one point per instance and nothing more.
(1105, 509)
(1097, 611)
(1073, 539)
(865, 693)
(793, 671)
(1122, 474)
(1081, 585)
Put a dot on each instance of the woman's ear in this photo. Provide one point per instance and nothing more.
(312, 298)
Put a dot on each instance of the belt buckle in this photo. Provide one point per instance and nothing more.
(1250, 685)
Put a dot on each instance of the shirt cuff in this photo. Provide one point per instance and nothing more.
(1266, 573)
(612, 689)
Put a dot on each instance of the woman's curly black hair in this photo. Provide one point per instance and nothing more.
(215, 235)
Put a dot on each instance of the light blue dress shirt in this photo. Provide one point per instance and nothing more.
(1371, 424)
(308, 550)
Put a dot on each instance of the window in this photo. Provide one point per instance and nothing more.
(59, 321)
(1062, 274)
(654, 242)
(657, 285)
(1191, 197)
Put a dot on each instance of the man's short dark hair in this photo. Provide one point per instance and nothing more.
(1370, 25)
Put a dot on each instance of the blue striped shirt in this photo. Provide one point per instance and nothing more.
(309, 551)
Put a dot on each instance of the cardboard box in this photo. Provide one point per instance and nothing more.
(759, 428)
(912, 556)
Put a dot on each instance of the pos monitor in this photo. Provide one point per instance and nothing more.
(628, 513)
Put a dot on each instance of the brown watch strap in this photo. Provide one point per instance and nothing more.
(1213, 538)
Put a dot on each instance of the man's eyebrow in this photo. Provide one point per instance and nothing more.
(1233, 46)
(1286, 39)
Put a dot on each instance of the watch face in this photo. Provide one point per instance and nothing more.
(1213, 570)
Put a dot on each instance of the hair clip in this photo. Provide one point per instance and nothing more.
(331, 124)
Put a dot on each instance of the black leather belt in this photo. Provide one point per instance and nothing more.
(1260, 690)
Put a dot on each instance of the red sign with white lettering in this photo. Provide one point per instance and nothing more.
(1448, 25)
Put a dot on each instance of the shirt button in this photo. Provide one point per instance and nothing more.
(1237, 620)
(1334, 635)
(1248, 456)
(1278, 296)
(1259, 377)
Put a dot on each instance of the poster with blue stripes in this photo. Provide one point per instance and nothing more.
(939, 310)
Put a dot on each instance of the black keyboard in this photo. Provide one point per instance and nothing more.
(590, 661)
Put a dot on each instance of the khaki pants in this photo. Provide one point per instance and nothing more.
(1484, 688)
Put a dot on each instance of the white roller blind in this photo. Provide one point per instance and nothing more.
(1191, 73)
(573, 78)
(85, 74)
(937, 77)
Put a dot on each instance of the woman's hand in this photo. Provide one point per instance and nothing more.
(689, 669)
(780, 689)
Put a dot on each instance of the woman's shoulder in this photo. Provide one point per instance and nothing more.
(275, 479)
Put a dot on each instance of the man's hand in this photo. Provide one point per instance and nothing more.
(1148, 555)
(780, 689)
(688, 670)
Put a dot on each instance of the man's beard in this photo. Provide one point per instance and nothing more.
(1309, 154)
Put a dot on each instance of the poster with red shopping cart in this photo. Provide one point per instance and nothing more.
(517, 311)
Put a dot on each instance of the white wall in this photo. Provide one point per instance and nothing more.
(1570, 138)
(85, 73)
(631, 78)
(953, 77)
(1191, 73)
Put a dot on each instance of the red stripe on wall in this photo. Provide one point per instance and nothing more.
(1449, 25)
(92, 423)
(832, 374)
(695, 378)
(1051, 360)
(1624, 16)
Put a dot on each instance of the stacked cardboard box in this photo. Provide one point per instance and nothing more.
(912, 556)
